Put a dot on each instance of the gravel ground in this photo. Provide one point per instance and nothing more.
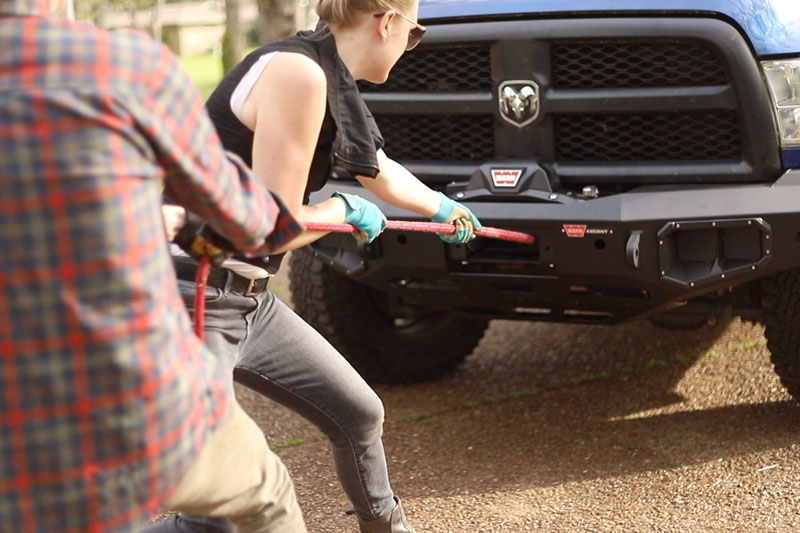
(576, 429)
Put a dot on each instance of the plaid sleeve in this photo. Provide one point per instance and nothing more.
(200, 175)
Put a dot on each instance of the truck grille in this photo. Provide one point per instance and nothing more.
(648, 137)
(604, 65)
(451, 68)
(438, 138)
(679, 99)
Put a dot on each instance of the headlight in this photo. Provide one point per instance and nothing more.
(783, 78)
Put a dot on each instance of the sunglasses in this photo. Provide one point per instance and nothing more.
(414, 34)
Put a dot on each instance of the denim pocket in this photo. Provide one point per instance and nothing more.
(187, 290)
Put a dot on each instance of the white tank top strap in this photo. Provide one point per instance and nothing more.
(245, 85)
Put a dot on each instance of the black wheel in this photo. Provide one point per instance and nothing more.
(781, 301)
(384, 342)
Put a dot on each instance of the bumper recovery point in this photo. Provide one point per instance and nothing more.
(693, 253)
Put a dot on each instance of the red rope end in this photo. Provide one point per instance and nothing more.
(200, 280)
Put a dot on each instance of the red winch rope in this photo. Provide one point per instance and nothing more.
(204, 265)
(200, 280)
(428, 227)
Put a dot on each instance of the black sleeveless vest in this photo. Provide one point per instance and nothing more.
(349, 137)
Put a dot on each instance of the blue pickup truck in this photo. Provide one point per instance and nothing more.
(651, 147)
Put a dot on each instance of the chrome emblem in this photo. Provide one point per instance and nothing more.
(519, 101)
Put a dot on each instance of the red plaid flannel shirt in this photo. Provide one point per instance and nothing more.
(106, 395)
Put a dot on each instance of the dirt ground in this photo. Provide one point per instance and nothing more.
(561, 428)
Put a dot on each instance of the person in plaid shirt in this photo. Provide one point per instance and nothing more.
(109, 405)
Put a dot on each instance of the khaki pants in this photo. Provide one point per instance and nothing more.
(237, 476)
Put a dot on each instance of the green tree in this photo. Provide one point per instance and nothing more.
(234, 40)
(94, 9)
(276, 19)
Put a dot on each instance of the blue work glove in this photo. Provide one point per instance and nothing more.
(364, 215)
(465, 221)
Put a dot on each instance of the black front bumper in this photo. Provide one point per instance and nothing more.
(594, 260)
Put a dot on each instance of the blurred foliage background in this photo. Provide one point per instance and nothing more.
(209, 36)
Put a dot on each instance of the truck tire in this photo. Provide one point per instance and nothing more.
(381, 347)
(781, 302)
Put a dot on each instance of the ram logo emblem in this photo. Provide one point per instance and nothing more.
(519, 101)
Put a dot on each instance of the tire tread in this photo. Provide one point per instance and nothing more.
(338, 308)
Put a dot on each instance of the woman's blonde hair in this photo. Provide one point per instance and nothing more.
(343, 12)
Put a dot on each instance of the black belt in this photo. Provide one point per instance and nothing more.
(186, 269)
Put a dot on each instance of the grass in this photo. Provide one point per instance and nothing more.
(586, 378)
(290, 443)
(205, 70)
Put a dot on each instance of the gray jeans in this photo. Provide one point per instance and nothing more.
(279, 355)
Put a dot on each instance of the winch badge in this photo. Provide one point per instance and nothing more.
(575, 230)
(506, 177)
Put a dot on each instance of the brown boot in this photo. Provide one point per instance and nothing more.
(395, 522)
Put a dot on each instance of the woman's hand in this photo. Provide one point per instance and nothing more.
(174, 219)
(465, 221)
(364, 215)
(397, 186)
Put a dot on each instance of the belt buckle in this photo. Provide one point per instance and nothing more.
(251, 283)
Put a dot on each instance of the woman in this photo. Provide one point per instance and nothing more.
(291, 109)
